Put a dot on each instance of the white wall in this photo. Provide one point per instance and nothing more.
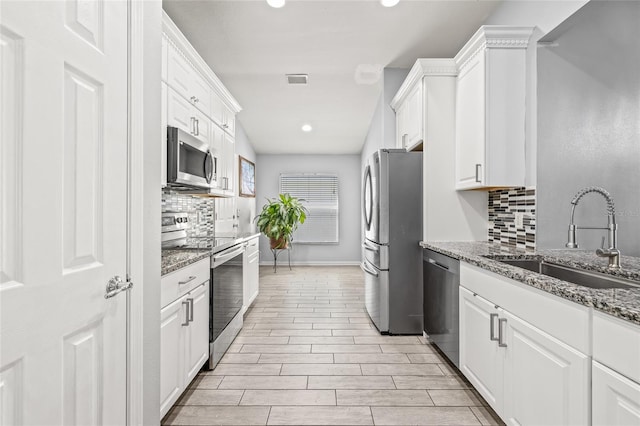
(347, 167)
(589, 104)
(246, 206)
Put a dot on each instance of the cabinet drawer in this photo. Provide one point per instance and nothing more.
(252, 246)
(616, 344)
(180, 282)
(562, 319)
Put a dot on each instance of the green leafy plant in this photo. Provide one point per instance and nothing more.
(279, 218)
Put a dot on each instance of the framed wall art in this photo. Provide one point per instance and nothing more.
(247, 175)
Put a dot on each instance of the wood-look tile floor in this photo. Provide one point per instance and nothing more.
(309, 355)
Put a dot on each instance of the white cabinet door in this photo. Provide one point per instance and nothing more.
(202, 126)
(201, 93)
(251, 272)
(401, 126)
(546, 381)
(197, 333)
(615, 399)
(179, 112)
(179, 73)
(229, 121)
(217, 109)
(172, 322)
(415, 118)
(481, 359)
(470, 125)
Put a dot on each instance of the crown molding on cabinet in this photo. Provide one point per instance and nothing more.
(422, 68)
(180, 42)
(493, 37)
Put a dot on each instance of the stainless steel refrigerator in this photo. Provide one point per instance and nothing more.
(391, 259)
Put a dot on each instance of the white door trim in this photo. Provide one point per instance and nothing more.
(144, 206)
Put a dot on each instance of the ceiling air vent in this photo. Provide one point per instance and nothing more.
(297, 78)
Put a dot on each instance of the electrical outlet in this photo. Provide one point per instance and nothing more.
(519, 220)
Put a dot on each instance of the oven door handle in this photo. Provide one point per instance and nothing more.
(220, 258)
(366, 269)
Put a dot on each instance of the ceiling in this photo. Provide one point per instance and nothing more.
(251, 47)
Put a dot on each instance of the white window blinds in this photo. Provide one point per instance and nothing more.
(320, 195)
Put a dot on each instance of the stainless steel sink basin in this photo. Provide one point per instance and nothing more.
(572, 275)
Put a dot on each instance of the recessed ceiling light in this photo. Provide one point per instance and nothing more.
(278, 3)
(307, 128)
(389, 3)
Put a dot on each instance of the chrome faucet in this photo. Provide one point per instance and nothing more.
(612, 253)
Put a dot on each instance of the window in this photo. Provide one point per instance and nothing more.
(320, 194)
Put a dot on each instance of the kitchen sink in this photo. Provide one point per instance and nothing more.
(572, 275)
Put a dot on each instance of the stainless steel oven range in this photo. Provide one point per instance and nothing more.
(226, 299)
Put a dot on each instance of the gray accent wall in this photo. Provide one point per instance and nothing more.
(589, 124)
(347, 167)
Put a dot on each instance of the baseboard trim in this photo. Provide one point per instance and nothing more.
(284, 264)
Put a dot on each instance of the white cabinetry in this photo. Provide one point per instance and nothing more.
(425, 113)
(198, 103)
(518, 366)
(410, 120)
(184, 330)
(615, 371)
(251, 272)
(490, 108)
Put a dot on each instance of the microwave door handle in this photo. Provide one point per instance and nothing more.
(208, 160)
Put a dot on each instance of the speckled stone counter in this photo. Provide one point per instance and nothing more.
(621, 303)
(174, 259)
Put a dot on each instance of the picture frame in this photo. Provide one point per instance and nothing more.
(247, 174)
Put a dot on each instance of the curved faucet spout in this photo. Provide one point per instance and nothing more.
(612, 252)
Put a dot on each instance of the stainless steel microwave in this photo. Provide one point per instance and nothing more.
(190, 163)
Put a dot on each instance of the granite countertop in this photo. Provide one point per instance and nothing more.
(621, 303)
(178, 258)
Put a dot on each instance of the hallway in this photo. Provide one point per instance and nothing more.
(309, 355)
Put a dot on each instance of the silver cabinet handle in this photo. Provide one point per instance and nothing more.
(478, 173)
(192, 130)
(186, 320)
(501, 343)
(193, 98)
(191, 278)
(190, 300)
(492, 334)
(197, 127)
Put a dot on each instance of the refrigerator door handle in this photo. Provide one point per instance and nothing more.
(369, 271)
(368, 246)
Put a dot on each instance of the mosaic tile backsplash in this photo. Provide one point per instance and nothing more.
(201, 213)
(503, 206)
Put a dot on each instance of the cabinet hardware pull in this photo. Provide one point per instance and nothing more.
(193, 99)
(478, 173)
(186, 320)
(492, 334)
(192, 130)
(197, 127)
(501, 343)
(191, 278)
(190, 300)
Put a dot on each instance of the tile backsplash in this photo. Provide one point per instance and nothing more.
(201, 213)
(503, 206)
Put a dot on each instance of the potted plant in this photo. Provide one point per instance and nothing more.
(279, 218)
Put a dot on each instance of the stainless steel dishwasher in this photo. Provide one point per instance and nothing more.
(441, 276)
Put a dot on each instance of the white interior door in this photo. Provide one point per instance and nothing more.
(63, 168)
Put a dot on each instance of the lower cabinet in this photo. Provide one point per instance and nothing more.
(616, 399)
(184, 343)
(526, 375)
(251, 272)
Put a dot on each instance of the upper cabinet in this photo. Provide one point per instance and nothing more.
(195, 100)
(490, 108)
(410, 103)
